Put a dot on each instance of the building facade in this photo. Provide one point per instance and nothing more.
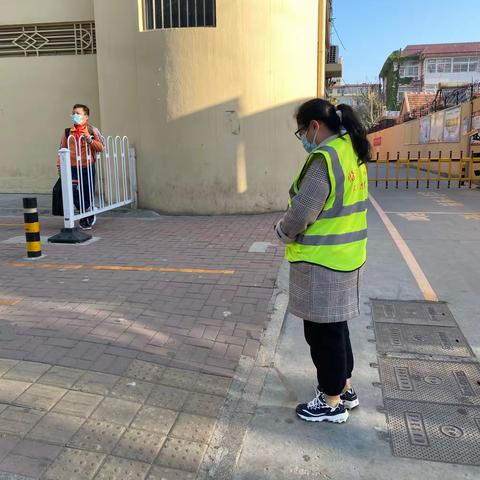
(352, 94)
(205, 90)
(424, 68)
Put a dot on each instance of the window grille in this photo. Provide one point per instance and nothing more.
(47, 39)
(160, 14)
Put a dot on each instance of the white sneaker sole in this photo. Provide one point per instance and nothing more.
(351, 404)
(340, 418)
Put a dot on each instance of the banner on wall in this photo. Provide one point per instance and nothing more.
(476, 126)
(451, 125)
(425, 129)
(436, 127)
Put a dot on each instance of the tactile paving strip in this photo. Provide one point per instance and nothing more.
(74, 465)
(139, 445)
(167, 397)
(97, 436)
(154, 419)
(193, 427)
(133, 390)
(424, 380)
(427, 340)
(212, 384)
(163, 473)
(122, 468)
(181, 454)
(412, 312)
(435, 432)
(203, 404)
(174, 377)
(148, 372)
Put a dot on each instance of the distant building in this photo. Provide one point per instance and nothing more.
(350, 94)
(414, 105)
(425, 68)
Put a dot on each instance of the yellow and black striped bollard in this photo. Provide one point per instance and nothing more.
(32, 228)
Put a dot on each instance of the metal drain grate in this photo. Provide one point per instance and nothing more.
(435, 432)
(427, 340)
(444, 382)
(413, 313)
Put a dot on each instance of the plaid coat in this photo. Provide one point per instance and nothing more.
(317, 294)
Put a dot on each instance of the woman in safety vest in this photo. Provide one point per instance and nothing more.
(325, 229)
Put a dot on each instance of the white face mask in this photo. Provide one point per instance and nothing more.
(308, 146)
(77, 119)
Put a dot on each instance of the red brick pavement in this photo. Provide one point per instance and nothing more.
(101, 320)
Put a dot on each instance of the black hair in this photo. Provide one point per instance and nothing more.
(86, 110)
(323, 111)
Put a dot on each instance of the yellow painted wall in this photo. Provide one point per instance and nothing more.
(210, 110)
(18, 12)
(37, 95)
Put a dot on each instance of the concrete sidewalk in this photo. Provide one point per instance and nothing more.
(442, 229)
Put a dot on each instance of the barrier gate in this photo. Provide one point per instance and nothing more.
(424, 172)
(94, 182)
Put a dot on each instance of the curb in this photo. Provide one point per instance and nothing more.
(242, 399)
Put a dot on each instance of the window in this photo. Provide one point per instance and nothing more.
(460, 64)
(455, 65)
(48, 39)
(431, 65)
(159, 14)
(409, 69)
(444, 65)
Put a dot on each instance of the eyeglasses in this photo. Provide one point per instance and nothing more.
(299, 133)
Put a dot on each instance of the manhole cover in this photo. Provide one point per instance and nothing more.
(428, 340)
(436, 432)
(425, 380)
(412, 312)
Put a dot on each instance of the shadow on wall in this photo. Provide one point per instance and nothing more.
(217, 160)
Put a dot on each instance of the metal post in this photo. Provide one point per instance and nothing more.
(132, 161)
(68, 234)
(32, 228)
(439, 176)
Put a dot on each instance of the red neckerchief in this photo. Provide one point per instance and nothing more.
(79, 129)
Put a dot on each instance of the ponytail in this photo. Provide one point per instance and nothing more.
(352, 124)
(336, 118)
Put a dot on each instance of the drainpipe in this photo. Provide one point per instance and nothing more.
(322, 22)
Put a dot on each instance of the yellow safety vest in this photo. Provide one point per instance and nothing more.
(338, 238)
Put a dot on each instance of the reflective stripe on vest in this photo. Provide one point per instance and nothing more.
(337, 239)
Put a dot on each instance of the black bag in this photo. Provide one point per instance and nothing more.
(57, 199)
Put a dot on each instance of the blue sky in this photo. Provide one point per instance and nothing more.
(372, 29)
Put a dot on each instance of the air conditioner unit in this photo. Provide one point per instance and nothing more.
(333, 52)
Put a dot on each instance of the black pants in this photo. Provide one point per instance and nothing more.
(331, 353)
(86, 187)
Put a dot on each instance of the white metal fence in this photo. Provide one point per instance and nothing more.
(96, 182)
